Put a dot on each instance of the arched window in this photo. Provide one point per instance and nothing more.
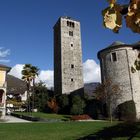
(1, 94)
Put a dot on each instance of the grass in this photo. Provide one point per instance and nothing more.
(98, 130)
(70, 131)
(49, 131)
(46, 115)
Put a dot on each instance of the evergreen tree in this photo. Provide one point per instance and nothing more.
(78, 105)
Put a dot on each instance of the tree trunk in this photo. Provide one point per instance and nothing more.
(28, 97)
(110, 113)
(33, 95)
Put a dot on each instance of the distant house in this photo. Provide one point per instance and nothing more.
(16, 87)
(3, 89)
(24, 96)
(16, 93)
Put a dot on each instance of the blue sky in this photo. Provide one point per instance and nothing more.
(26, 29)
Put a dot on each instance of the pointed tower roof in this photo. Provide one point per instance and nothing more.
(116, 43)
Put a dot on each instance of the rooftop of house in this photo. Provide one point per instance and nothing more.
(4, 67)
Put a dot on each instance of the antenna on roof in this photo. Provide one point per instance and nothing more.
(67, 17)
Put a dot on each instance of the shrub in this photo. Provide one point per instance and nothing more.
(78, 105)
(52, 104)
(127, 111)
(63, 103)
(80, 117)
(94, 108)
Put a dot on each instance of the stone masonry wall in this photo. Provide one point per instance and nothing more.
(120, 73)
(71, 57)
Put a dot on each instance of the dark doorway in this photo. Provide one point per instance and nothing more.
(1, 94)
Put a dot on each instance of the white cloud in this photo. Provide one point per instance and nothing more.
(45, 76)
(91, 71)
(4, 60)
(16, 70)
(4, 53)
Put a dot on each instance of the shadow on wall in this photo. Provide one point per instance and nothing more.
(79, 92)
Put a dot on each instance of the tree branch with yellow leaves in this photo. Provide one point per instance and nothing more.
(114, 14)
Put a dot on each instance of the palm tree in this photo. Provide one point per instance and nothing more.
(34, 72)
(29, 73)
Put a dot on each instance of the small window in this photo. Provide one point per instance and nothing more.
(67, 23)
(71, 45)
(72, 66)
(71, 79)
(70, 33)
(114, 57)
(73, 24)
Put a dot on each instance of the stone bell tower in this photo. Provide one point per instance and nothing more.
(68, 73)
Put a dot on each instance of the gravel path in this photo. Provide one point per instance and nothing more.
(11, 119)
